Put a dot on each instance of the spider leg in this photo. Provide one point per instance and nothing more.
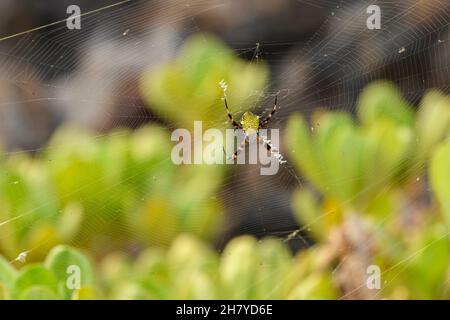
(269, 116)
(268, 146)
(235, 124)
(239, 150)
(273, 150)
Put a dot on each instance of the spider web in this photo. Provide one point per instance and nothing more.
(322, 62)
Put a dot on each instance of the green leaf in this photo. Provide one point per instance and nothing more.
(189, 253)
(194, 285)
(65, 262)
(386, 153)
(38, 292)
(187, 88)
(7, 273)
(427, 262)
(314, 287)
(85, 293)
(440, 177)
(272, 269)
(383, 100)
(433, 122)
(33, 275)
(237, 269)
(339, 147)
(302, 151)
(4, 292)
(307, 211)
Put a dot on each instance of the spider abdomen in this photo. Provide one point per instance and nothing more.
(250, 123)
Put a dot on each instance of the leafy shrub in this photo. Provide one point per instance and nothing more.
(371, 178)
(378, 195)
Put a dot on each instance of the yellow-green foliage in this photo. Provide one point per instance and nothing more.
(188, 269)
(378, 194)
(187, 88)
(100, 192)
(370, 172)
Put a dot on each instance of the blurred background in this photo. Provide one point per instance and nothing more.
(86, 117)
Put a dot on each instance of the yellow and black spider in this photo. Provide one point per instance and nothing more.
(250, 124)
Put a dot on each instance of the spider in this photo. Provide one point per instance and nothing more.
(251, 124)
